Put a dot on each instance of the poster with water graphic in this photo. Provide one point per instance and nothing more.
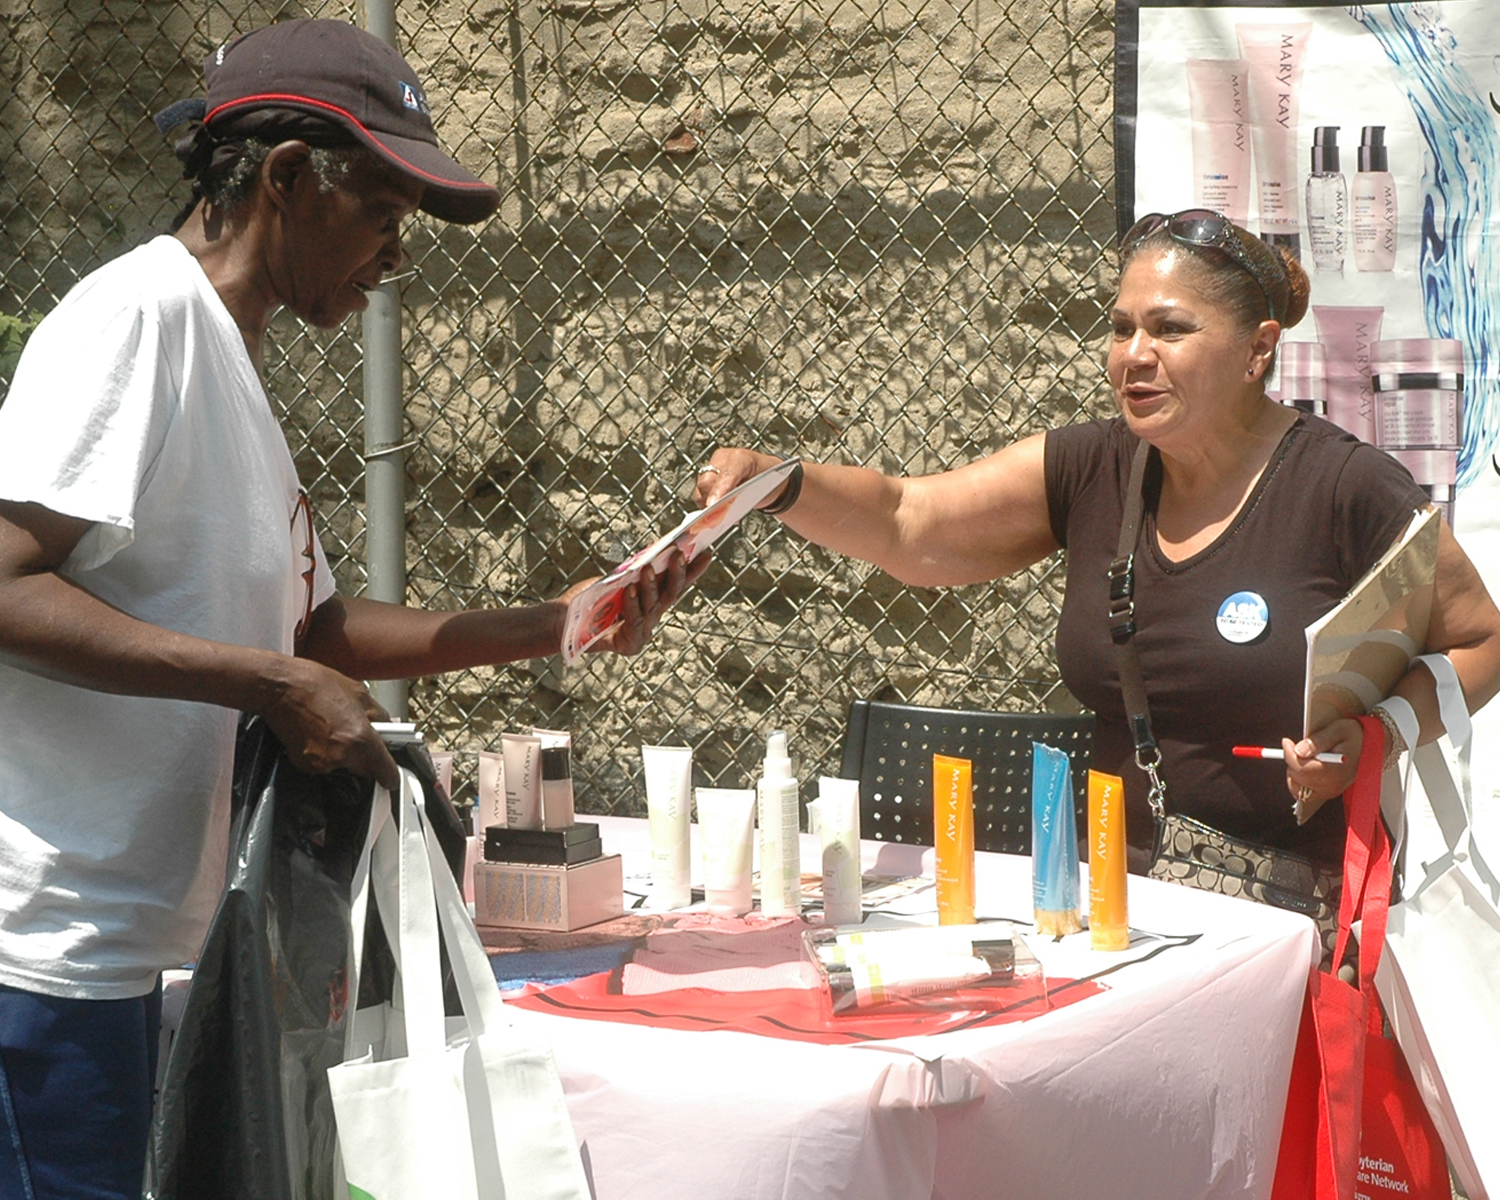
(1365, 139)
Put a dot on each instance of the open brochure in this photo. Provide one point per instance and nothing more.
(1357, 652)
(596, 610)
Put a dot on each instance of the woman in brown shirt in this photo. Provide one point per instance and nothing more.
(1243, 495)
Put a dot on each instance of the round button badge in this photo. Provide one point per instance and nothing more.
(1243, 618)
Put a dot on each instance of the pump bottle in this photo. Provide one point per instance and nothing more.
(780, 843)
(1327, 201)
(1374, 204)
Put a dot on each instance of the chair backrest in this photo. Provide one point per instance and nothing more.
(889, 749)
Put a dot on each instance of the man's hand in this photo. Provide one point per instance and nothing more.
(645, 601)
(323, 719)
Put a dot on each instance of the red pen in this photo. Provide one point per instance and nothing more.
(1276, 753)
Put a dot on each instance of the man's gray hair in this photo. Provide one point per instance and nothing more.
(232, 188)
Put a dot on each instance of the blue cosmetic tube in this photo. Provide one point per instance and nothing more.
(1054, 843)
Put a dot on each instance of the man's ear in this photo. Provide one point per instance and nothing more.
(282, 167)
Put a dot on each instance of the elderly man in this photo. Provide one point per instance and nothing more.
(159, 570)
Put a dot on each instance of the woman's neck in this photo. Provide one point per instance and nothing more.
(1206, 481)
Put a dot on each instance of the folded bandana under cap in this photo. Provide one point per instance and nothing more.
(356, 90)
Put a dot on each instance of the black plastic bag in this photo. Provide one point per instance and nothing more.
(244, 1111)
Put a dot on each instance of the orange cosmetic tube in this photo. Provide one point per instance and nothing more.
(953, 834)
(1109, 919)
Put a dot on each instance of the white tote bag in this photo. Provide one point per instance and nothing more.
(422, 1115)
(1439, 978)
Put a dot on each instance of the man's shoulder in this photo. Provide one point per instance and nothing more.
(157, 277)
(153, 292)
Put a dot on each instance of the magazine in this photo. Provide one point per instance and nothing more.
(1357, 652)
(595, 611)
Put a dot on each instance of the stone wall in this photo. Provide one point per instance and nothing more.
(865, 232)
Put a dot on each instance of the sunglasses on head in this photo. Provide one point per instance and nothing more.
(1211, 230)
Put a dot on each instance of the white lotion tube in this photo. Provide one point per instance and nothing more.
(726, 832)
(669, 807)
(838, 806)
(442, 764)
(780, 843)
(1275, 53)
(1219, 90)
(881, 983)
(557, 777)
(523, 780)
(490, 808)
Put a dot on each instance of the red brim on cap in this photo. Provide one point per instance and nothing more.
(451, 192)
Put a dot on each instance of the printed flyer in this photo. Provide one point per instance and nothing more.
(1367, 140)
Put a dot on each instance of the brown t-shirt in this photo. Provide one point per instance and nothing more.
(1326, 508)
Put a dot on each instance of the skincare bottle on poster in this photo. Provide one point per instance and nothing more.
(1304, 377)
(1419, 391)
(1374, 204)
(780, 838)
(1327, 201)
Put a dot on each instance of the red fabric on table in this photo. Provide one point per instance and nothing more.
(795, 1014)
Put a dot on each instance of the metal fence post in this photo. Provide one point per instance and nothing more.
(385, 465)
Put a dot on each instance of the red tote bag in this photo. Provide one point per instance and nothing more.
(1355, 1125)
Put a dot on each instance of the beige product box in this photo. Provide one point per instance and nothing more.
(524, 896)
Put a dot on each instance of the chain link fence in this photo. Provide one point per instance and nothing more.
(869, 231)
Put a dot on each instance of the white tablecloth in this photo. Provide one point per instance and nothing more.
(1168, 1086)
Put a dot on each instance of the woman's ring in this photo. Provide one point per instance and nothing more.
(1304, 794)
(709, 469)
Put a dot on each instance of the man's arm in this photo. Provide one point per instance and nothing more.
(370, 640)
(51, 627)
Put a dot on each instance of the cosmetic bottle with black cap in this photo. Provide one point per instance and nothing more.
(1327, 201)
(1374, 204)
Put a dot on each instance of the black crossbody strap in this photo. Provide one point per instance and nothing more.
(1122, 632)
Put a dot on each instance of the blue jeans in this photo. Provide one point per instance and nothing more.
(76, 1078)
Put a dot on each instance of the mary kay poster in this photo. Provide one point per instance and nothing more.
(1367, 139)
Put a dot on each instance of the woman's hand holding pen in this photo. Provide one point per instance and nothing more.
(1313, 782)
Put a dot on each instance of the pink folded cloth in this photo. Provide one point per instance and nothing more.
(725, 954)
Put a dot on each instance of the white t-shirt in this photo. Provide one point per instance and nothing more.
(136, 406)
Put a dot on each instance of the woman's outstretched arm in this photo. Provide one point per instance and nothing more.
(974, 523)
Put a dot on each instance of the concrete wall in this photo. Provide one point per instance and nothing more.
(854, 231)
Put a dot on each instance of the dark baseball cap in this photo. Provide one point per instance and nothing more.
(337, 71)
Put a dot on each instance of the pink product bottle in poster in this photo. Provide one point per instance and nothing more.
(1419, 387)
(1276, 53)
(1347, 333)
(1219, 90)
(1303, 377)
(1374, 204)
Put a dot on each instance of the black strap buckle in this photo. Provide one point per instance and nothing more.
(1140, 729)
(1121, 599)
(1122, 602)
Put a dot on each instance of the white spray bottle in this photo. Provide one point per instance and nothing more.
(780, 845)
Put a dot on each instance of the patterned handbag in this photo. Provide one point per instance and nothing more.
(1187, 851)
(1197, 855)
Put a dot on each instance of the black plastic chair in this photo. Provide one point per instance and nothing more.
(889, 749)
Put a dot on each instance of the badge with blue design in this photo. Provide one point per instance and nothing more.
(1243, 618)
